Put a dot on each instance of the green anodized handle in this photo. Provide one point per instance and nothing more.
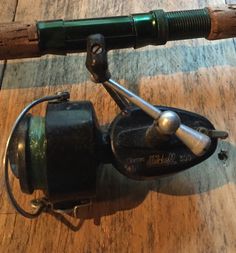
(137, 30)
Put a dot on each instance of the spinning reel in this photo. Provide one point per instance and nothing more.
(61, 152)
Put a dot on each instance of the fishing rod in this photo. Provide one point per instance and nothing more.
(22, 40)
(61, 152)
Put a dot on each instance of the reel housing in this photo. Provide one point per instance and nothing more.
(61, 153)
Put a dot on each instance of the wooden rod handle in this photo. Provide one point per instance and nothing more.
(223, 22)
(18, 40)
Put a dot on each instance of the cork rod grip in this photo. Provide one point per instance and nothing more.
(18, 40)
(223, 22)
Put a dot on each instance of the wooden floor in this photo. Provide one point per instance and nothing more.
(194, 211)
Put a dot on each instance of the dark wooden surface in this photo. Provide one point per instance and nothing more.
(193, 211)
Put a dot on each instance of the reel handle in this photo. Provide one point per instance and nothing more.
(167, 123)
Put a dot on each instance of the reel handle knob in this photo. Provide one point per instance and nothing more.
(197, 142)
(169, 123)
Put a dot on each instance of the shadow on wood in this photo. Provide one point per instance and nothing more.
(117, 193)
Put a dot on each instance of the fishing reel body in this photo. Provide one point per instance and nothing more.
(62, 152)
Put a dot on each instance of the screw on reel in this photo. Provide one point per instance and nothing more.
(61, 152)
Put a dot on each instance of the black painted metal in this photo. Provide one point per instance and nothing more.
(140, 157)
(72, 159)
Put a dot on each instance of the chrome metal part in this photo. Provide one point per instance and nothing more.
(197, 142)
(168, 122)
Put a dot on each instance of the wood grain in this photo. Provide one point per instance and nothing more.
(8, 11)
(189, 212)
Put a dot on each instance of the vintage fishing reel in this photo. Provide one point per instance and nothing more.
(62, 152)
